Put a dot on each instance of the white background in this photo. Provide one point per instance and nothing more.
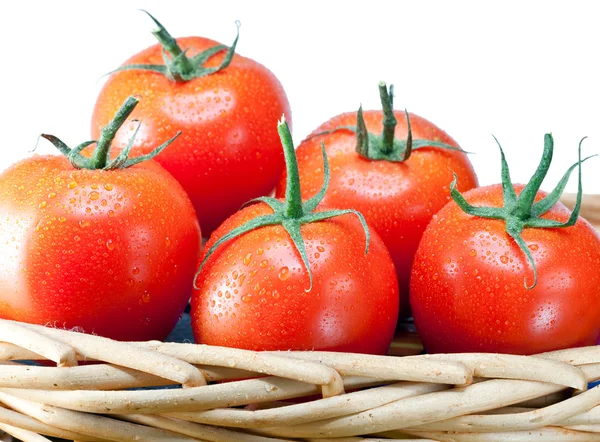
(514, 69)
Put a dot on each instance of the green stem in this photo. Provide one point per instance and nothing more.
(177, 65)
(385, 146)
(293, 196)
(170, 45)
(389, 119)
(523, 212)
(101, 155)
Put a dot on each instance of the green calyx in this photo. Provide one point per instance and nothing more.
(385, 146)
(522, 211)
(291, 213)
(178, 66)
(100, 159)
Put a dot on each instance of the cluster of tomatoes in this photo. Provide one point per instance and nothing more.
(368, 222)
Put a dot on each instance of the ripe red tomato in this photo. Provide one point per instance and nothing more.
(228, 122)
(468, 291)
(254, 291)
(397, 198)
(110, 252)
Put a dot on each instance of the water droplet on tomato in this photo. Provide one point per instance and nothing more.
(84, 223)
(42, 204)
(167, 241)
(264, 264)
(284, 273)
(108, 186)
(145, 297)
(321, 249)
(533, 247)
(275, 294)
(246, 298)
(51, 194)
(62, 219)
(77, 238)
(504, 259)
(241, 281)
(473, 252)
(135, 271)
(247, 259)
(260, 251)
(94, 195)
(72, 185)
(110, 245)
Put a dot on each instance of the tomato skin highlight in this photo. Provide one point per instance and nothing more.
(229, 151)
(398, 199)
(105, 252)
(252, 290)
(467, 286)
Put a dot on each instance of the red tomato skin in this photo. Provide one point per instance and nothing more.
(104, 252)
(252, 291)
(229, 151)
(397, 199)
(467, 286)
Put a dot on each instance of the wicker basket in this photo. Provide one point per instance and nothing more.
(154, 391)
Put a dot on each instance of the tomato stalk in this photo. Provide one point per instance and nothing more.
(521, 212)
(385, 146)
(389, 119)
(291, 213)
(178, 66)
(100, 158)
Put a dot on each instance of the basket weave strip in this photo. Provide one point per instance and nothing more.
(460, 397)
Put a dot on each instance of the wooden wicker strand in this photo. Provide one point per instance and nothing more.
(287, 364)
(427, 408)
(198, 431)
(500, 366)
(312, 411)
(93, 377)
(552, 415)
(574, 356)
(98, 377)
(589, 417)
(90, 424)
(23, 435)
(120, 353)
(262, 363)
(544, 434)
(231, 394)
(18, 420)
(12, 352)
(424, 368)
(16, 334)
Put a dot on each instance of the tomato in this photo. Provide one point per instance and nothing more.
(257, 291)
(110, 252)
(397, 198)
(227, 118)
(474, 288)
